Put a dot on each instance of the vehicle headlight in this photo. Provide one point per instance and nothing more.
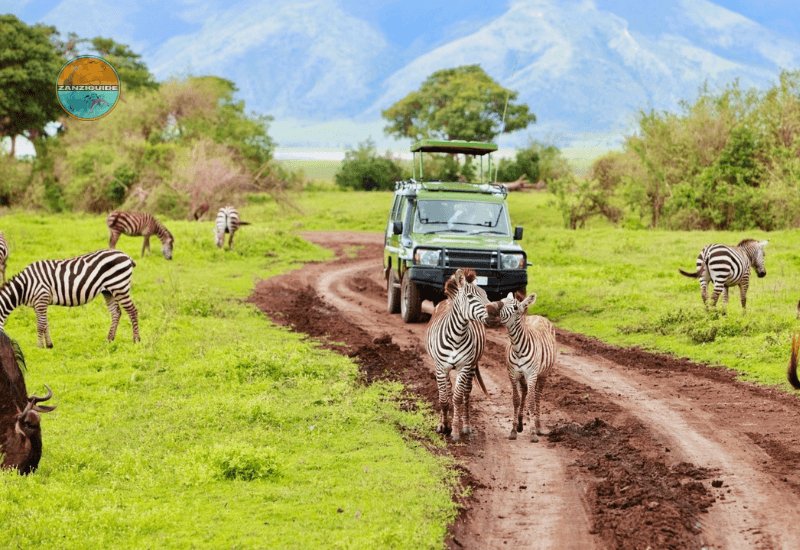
(427, 257)
(512, 261)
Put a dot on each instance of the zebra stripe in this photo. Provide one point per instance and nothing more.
(72, 282)
(727, 266)
(227, 222)
(456, 338)
(139, 224)
(530, 356)
(3, 257)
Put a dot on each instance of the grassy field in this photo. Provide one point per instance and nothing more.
(622, 285)
(219, 429)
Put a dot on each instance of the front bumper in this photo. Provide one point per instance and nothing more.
(499, 281)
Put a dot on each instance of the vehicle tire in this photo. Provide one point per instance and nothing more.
(393, 292)
(410, 300)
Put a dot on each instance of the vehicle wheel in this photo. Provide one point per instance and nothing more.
(410, 300)
(393, 292)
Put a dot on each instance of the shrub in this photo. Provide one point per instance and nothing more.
(363, 169)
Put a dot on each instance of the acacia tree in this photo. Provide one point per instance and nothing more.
(461, 103)
(29, 65)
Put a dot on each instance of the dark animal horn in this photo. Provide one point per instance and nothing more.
(34, 399)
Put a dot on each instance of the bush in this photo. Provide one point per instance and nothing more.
(537, 162)
(363, 169)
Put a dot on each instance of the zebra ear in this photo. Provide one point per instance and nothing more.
(529, 301)
(510, 296)
(459, 278)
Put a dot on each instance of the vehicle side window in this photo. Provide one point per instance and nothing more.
(401, 209)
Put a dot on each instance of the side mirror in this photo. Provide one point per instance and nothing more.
(518, 233)
(397, 228)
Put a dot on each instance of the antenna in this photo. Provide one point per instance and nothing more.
(505, 109)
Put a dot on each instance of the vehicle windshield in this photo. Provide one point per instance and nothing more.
(453, 216)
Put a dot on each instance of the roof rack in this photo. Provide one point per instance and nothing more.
(453, 146)
(453, 187)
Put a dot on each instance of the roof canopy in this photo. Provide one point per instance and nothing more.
(454, 147)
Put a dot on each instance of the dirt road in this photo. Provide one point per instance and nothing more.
(644, 450)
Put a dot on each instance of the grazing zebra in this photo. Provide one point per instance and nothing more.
(727, 266)
(138, 224)
(530, 355)
(3, 257)
(456, 338)
(227, 222)
(72, 282)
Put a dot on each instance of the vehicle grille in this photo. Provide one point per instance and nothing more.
(476, 259)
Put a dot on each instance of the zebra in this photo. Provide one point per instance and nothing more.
(727, 266)
(227, 222)
(456, 338)
(3, 257)
(135, 224)
(530, 356)
(72, 282)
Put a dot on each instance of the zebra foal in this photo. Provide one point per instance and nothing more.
(72, 282)
(530, 356)
(456, 338)
(139, 224)
(727, 266)
(227, 222)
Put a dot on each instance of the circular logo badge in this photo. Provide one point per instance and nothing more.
(88, 87)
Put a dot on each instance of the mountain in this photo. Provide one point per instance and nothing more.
(585, 71)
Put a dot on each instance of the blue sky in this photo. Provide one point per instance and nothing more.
(360, 43)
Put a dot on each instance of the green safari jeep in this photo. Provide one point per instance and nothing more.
(435, 228)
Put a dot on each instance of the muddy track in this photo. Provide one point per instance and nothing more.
(644, 450)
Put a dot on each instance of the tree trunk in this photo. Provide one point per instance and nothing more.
(13, 146)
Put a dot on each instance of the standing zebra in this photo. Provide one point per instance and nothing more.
(3, 257)
(227, 222)
(456, 338)
(727, 266)
(136, 224)
(72, 282)
(530, 355)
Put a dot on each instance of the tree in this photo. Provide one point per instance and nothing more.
(461, 103)
(29, 65)
(132, 72)
(364, 169)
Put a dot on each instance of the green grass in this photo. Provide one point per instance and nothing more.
(219, 429)
(314, 169)
(623, 286)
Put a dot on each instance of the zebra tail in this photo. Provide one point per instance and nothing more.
(791, 372)
(693, 275)
(243, 223)
(480, 380)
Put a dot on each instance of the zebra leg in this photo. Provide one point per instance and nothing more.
(112, 242)
(230, 240)
(468, 377)
(537, 400)
(725, 297)
(146, 244)
(3, 270)
(42, 326)
(715, 294)
(516, 418)
(445, 398)
(126, 302)
(704, 291)
(532, 406)
(743, 294)
(113, 308)
(462, 379)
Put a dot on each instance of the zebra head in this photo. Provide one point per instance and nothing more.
(755, 251)
(166, 248)
(511, 310)
(468, 299)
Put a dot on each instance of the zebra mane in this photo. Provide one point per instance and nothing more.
(746, 242)
(451, 287)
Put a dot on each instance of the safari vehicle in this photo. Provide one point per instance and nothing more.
(437, 227)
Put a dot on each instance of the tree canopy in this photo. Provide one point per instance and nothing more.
(131, 70)
(29, 65)
(460, 103)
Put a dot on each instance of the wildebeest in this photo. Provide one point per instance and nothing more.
(20, 432)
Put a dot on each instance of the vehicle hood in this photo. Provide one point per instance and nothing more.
(460, 240)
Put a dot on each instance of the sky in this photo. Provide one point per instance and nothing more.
(404, 29)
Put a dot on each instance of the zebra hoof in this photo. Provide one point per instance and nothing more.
(513, 435)
(534, 439)
(466, 430)
(440, 429)
(50, 346)
(540, 432)
(519, 426)
(456, 437)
